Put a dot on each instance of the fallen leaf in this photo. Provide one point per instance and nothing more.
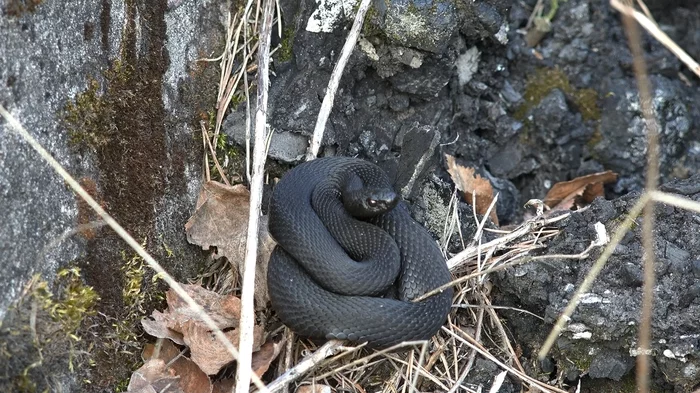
(221, 220)
(158, 327)
(225, 310)
(473, 186)
(578, 192)
(189, 377)
(154, 377)
(206, 351)
(167, 352)
(192, 378)
(262, 358)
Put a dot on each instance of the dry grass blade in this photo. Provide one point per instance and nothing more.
(522, 230)
(652, 179)
(244, 371)
(655, 31)
(675, 200)
(470, 342)
(14, 124)
(213, 156)
(327, 104)
(307, 364)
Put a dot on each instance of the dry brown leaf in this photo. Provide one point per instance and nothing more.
(158, 327)
(167, 352)
(225, 310)
(316, 388)
(154, 377)
(221, 220)
(579, 191)
(210, 355)
(191, 378)
(473, 186)
(265, 356)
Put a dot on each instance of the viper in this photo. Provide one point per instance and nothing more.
(350, 258)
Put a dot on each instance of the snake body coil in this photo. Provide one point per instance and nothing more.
(341, 272)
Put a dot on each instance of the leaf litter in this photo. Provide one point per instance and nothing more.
(220, 221)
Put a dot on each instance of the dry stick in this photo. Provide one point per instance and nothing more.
(620, 232)
(247, 322)
(675, 200)
(654, 30)
(421, 359)
(525, 259)
(327, 104)
(522, 230)
(473, 344)
(328, 349)
(371, 356)
(14, 124)
(213, 156)
(472, 356)
(247, 108)
(644, 86)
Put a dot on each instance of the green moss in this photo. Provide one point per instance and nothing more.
(544, 81)
(372, 26)
(595, 139)
(41, 337)
(285, 52)
(83, 118)
(73, 303)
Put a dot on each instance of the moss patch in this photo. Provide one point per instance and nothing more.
(41, 339)
(285, 52)
(544, 80)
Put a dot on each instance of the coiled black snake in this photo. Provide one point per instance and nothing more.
(340, 271)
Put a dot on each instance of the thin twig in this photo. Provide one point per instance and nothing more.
(652, 180)
(662, 37)
(522, 230)
(525, 259)
(247, 321)
(470, 342)
(308, 363)
(327, 104)
(675, 200)
(14, 124)
(213, 155)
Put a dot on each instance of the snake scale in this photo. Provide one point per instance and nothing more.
(350, 258)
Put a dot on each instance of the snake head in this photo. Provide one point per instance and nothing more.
(369, 201)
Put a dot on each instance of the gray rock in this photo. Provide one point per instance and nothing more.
(45, 57)
(621, 111)
(286, 146)
(422, 24)
(417, 157)
(610, 365)
(426, 81)
(610, 311)
(112, 90)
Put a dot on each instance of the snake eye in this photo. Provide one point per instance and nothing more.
(372, 202)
